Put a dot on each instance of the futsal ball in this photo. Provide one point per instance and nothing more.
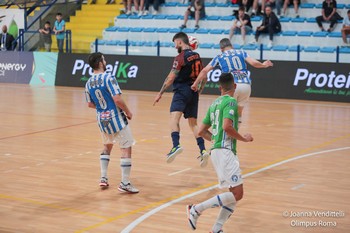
(193, 42)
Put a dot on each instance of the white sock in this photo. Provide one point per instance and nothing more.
(104, 160)
(223, 216)
(125, 165)
(223, 199)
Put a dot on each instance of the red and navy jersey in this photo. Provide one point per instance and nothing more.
(188, 64)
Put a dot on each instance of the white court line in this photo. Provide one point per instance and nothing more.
(133, 224)
(184, 170)
(298, 186)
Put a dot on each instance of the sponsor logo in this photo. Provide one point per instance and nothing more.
(11, 67)
(121, 70)
(323, 83)
(213, 78)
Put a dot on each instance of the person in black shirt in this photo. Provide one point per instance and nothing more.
(270, 24)
(241, 24)
(329, 14)
(7, 41)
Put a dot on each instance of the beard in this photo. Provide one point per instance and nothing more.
(179, 50)
(104, 67)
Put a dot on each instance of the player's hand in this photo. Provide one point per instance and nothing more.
(156, 100)
(248, 137)
(267, 63)
(194, 87)
(128, 115)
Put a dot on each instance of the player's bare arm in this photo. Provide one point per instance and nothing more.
(257, 64)
(204, 132)
(227, 126)
(201, 79)
(167, 83)
(118, 100)
(91, 105)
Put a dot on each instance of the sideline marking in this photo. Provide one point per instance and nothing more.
(184, 170)
(298, 186)
(133, 224)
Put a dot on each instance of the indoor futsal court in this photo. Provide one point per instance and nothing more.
(296, 172)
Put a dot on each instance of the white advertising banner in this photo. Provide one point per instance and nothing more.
(13, 19)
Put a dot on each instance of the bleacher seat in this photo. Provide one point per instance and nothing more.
(206, 45)
(280, 48)
(312, 49)
(327, 49)
(305, 33)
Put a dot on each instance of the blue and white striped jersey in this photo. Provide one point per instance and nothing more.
(233, 61)
(100, 89)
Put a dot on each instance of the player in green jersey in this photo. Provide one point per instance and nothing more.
(222, 117)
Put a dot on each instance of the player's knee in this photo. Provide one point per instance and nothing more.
(238, 195)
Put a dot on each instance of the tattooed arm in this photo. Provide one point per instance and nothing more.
(167, 83)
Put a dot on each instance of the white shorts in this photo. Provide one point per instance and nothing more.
(242, 94)
(226, 165)
(123, 137)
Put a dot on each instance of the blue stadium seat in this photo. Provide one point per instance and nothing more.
(216, 31)
(159, 16)
(312, 49)
(289, 33)
(298, 20)
(311, 20)
(188, 30)
(213, 17)
(227, 18)
(134, 16)
(305, 33)
(328, 49)
(174, 30)
(123, 16)
(166, 44)
(334, 34)
(216, 46)
(250, 47)
(123, 42)
(111, 29)
(173, 17)
(344, 49)
(236, 46)
(285, 19)
(280, 48)
(319, 5)
(183, 4)
(255, 19)
(294, 48)
(340, 5)
(137, 29)
(149, 29)
(206, 45)
(101, 42)
(113, 42)
(209, 4)
(320, 34)
(307, 5)
(222, 4)
(226, 32)
(123, 29)
(202, 31)
(147, 17)
(170, 4)
(162, 30)
(265, 47)
(137, 43)
(150, 44)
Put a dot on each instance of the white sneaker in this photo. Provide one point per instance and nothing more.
(128, 12)
(155, 12)
(140, 13)
(192, 216)
(203, 158)
(145, 13)
(269, 45)
(127, 188)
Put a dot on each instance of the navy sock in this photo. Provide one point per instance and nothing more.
(175, 136)
(200, 143)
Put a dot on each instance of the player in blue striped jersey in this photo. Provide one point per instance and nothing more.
(232, 61)
(102, 93)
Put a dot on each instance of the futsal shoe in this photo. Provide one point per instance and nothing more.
(203, 158)
(104, 183)
(192, 216)
(173, 153)
(127, 188)
(217, 231)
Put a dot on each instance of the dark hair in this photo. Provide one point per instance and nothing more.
(48, 22)
(183, 36)
(59, 13)
(348, 11)
(225, 43)
(95, 59)
(226, 81)
(241, 8)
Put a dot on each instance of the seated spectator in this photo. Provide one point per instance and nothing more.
(241, 24)
(270, 24)
(196, 10)
(156, 4)
(7, 41)
(346, 29)
(260, 5)
(46, 34)
(329, 14)
(287, 3)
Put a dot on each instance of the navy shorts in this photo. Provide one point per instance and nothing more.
(185, 100)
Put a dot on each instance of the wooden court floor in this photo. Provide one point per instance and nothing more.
(297, 176)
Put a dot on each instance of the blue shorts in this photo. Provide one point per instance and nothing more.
(186, 101)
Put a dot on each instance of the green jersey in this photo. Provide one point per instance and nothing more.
(223, 107)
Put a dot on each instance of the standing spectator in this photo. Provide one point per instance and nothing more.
(196, 10)
(259, 6)
(247, 4)
(59, 29)
(270, 24)
(241, 24)
(287, 3)
(7, 41)
(346, 29)
(329, 14)
(156, 4)
(46, 34)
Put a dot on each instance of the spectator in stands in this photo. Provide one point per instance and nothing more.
(59, 30)
(246, 3)
(108, 2)
(329, 14)
(46, 34)
(241, 24)
(196, 10)
(7, 41)
(156, 4)
(288, 3)
(270, 24)
(260, 5)
(346, 29)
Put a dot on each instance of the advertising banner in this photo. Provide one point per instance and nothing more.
(45, 65)
(286, 79)
(13, 19)
(16, 67)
